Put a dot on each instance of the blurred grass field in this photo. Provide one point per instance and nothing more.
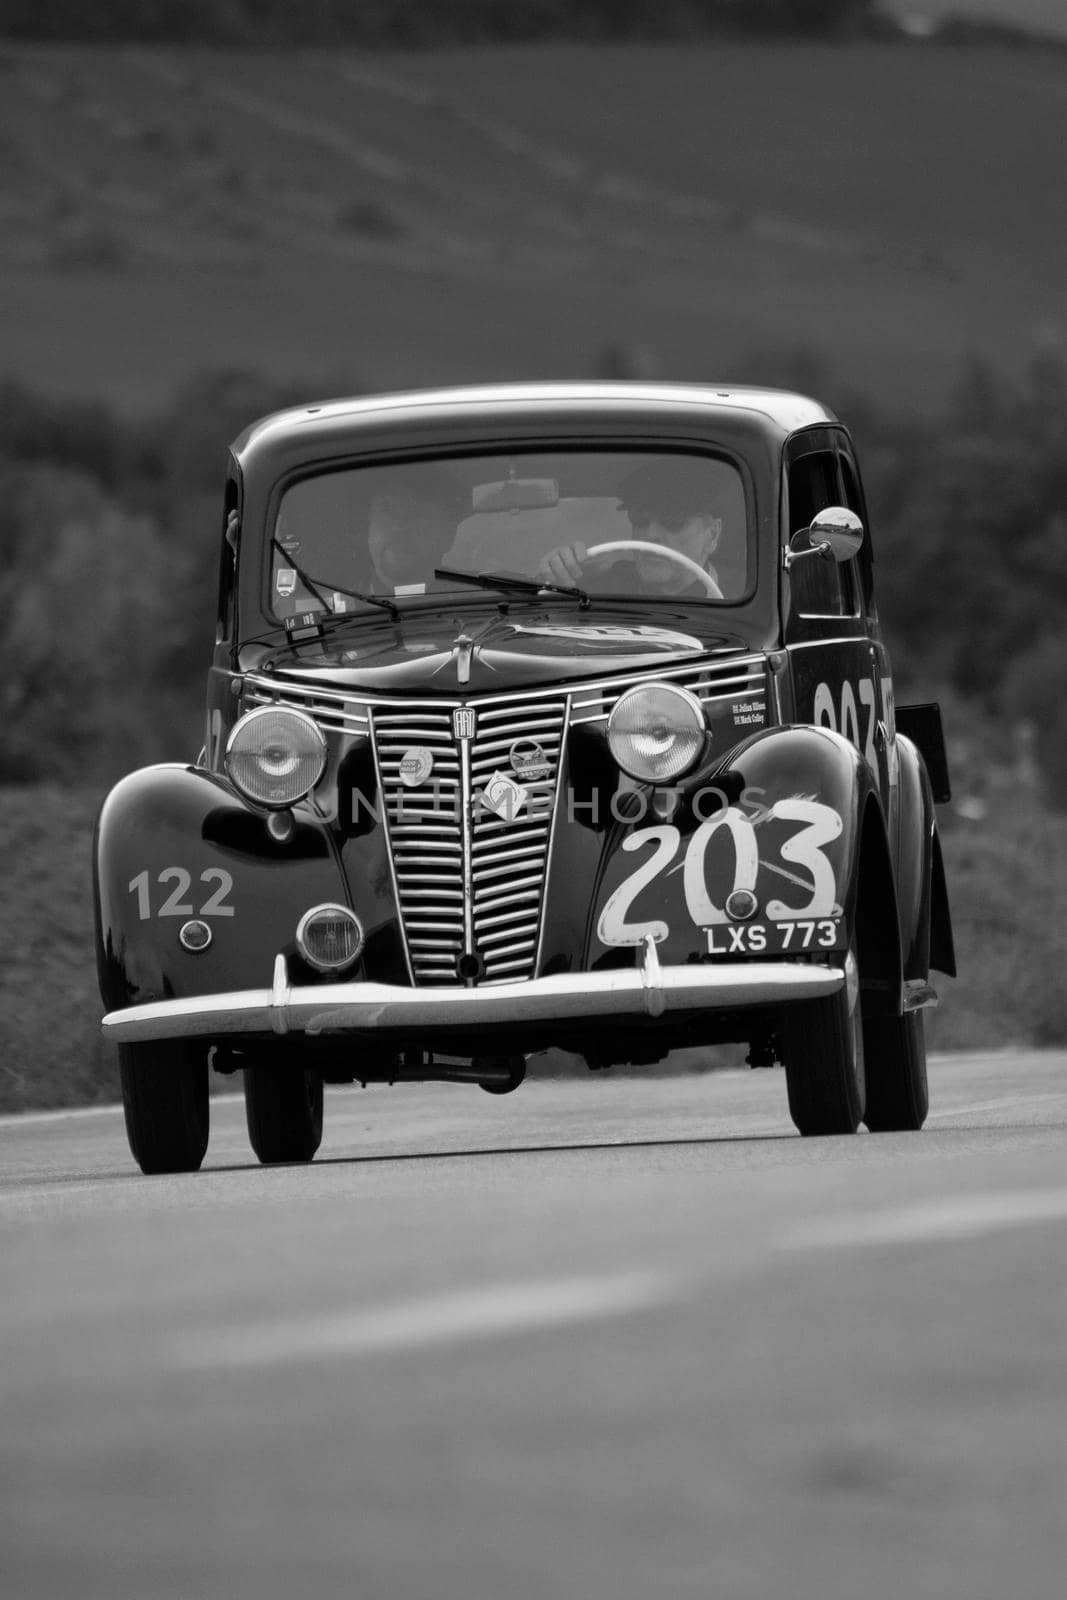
(394, 220)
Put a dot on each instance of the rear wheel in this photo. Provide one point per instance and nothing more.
(164, 1096)
(898, 1096)
(822, 1046)
(283, 1106)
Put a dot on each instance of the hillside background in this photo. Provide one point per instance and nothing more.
(198, 231)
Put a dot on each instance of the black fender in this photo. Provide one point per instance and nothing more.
(805, 800)
(925, 919)
(942, 943)
(176, 842)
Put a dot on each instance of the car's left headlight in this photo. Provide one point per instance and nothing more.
(657, 732)
(275, 756)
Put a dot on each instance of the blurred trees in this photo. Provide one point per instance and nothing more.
(970, 531)
(109, 536)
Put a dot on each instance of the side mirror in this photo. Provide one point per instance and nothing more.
(836, 534)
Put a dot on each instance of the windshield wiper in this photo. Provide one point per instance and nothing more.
(509, 585)
(312, 584)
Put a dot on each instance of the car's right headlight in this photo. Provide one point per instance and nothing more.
(275, 755)
(657, 732)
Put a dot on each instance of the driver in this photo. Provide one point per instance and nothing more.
(669, 503)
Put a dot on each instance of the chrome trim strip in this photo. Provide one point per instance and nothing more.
(466, 840)
(652, 978)
(377, 1007)
(492, 831)
(500, 936)
(499, 919)
(497, 895)
(383, 796)
(493, 705)
(279, 996)
(428, 861)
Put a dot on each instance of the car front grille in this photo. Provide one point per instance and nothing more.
(469, 881)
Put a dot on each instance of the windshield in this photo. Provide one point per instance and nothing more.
(653, 525)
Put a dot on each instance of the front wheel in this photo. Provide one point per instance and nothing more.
(822, 1048)
(283, 1106)
(164, 1096)
(898, 1096)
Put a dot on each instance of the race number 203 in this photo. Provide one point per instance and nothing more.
(801, 860)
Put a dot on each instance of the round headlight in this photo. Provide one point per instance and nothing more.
(329, 937)
(275, 756)
(656, 732)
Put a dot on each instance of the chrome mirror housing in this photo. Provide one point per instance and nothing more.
(836, 534)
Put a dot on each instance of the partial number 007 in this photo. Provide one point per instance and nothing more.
(175, 903)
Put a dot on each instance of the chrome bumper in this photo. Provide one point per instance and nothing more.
(648, 989)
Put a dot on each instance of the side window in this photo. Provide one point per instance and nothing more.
(820, 588)
(853, 499)
(227, 568)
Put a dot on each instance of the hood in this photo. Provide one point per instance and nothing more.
(459, 653)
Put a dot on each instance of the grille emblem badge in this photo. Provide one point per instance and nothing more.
(529, 762)
(416, 765)
(463, 722)
(503, 795)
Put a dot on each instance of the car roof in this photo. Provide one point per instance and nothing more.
(331, 424)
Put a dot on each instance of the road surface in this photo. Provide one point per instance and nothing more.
(611, 1339)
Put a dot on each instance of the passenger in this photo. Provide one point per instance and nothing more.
(411, 522)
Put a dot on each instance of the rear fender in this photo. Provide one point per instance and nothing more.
(876, 920)
(925, 921)
(942, 944)
(173, 843)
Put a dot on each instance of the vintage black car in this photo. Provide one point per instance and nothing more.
(553, 715)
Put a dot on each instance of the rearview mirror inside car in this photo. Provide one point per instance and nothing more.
(516, 494)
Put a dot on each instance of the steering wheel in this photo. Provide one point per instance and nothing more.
(692, 567)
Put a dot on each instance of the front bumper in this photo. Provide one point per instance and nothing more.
(647, 990)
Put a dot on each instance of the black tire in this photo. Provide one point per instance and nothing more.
(898, 1095)
(824, 1065)
(284, 1108)
(516, 1073)
(164, 1096)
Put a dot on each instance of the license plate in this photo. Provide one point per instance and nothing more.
(774, 938)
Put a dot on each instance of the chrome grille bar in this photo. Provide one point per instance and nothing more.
(510, 855)
(737, 678)
(425, 838)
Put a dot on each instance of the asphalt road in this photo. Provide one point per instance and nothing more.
(617, 1338)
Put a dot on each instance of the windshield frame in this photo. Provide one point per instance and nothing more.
(644, 445)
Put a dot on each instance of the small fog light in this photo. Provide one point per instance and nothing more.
(195, 935)
(741, 905)
(329, 937)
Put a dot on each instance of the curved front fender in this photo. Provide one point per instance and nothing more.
(175, 842)
(782, 818)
